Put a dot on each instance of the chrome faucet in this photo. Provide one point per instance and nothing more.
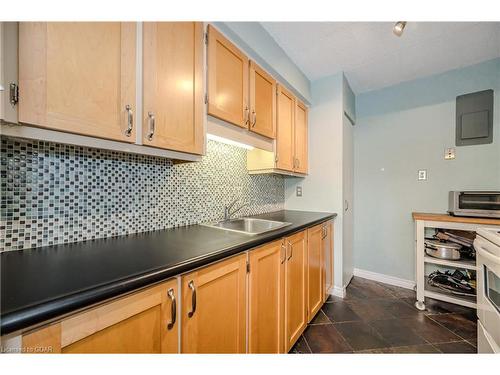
(228, 212)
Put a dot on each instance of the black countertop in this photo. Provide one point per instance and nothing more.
(43, 283)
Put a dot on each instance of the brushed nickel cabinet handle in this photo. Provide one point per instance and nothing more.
(171, 295)
(254, 118)
(193, 299)
(246, 115)
(283, 250)
(151, 122)
(291, 250)
(130, 120)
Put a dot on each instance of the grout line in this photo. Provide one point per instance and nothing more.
(439, 350)
(305, 340)
(456, 334)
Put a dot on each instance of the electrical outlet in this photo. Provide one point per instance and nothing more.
(298, 191)
(422, 175)
(449, 153)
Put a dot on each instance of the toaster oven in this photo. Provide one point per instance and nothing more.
(474, 203)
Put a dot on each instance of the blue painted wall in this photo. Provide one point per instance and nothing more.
(399, 130)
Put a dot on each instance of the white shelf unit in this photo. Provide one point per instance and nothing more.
(425, 290)
(465, 264)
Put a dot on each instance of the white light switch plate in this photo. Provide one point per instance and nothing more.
(422, 175)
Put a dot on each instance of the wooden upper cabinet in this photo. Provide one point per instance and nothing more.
(285, 129)
(143, 322)
(262, 102)
(267, 299)
(315, 269)
(227, 80)
(295, 288)
(173, 86)
(328, 258)
(300, 141)
(214, 308)
(79, 77)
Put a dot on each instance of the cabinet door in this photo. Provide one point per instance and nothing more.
(144, 322)
(301, 138)
(327, 244)
(227, 80)
(214, 308)
(79, 77)
(173, 86)
(314, 270)
(295, 288)
(267, 299)
(285, 129)
(262, 102)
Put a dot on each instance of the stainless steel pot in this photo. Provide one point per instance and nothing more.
(442, 249)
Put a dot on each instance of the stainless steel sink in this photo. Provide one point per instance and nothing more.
(248, 225)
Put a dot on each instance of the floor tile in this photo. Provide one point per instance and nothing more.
(458, 324)
(355, 292)
(320, 318)
(401, 292)
(332, 298)
(472, 341)
(380, 318)
(363, 288)
(361, 336)
(376, 290)
(430, 330)
(340, 312)
(399, 309)
(410, 349)
(300, 347)
(325, 338)
(397, 333)
(369, 310)
(433, 306)
(456, 347)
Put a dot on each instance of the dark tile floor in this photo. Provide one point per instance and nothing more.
(381, 318)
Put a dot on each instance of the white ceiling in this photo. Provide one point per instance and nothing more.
(372, 57)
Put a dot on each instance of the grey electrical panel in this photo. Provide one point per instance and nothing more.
(474, 118)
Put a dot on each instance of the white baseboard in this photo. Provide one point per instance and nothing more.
(386, 279)
(338, 292)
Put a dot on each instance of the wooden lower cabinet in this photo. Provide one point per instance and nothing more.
(328, 259)
(283, 287)
(144, 322)
(214, 308)
(267, 299)
(295, 288)
(315, 269)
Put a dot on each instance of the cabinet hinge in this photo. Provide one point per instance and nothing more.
(206, 98)
(206, 38)
(248, 267)
(13, 94)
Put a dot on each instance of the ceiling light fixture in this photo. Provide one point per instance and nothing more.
(399, 28)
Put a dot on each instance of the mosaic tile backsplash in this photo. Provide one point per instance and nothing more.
(54, 193)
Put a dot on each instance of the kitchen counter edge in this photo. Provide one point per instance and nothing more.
(55, 309)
